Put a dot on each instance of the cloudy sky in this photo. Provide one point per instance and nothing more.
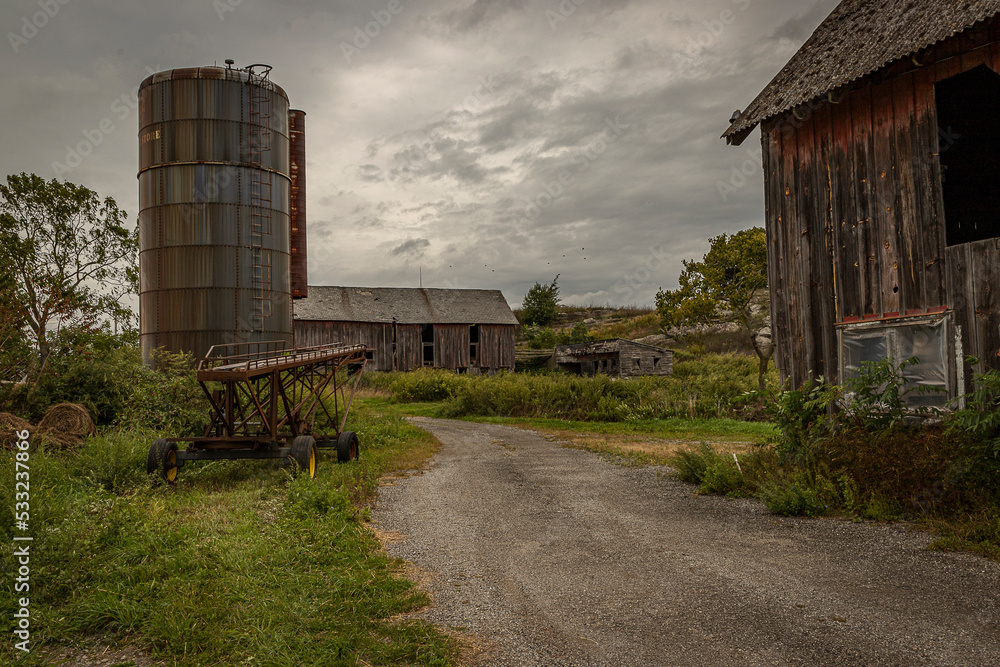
(484, 143)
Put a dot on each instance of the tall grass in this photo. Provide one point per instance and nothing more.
(705, 387)
(239, 563)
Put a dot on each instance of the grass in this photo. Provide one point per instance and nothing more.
(238, 563)
(706, 387)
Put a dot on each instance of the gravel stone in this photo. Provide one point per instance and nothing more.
(544, 555)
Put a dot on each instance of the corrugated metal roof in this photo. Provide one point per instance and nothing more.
(405, 305)
(858, 38)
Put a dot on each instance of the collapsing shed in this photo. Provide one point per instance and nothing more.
(616, 357)
(466, 330)
(881, 155)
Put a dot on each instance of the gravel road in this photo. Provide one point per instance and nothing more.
(553, 556)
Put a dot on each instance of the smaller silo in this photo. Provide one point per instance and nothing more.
(297, 166)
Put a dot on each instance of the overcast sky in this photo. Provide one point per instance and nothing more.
(488, 143)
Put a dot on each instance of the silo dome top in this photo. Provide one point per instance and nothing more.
(218, 73)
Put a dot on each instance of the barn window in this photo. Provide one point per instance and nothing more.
(473, 343)
(968, 107)
(656, 362)
(927, 340)
(427, 341)
(636, 362)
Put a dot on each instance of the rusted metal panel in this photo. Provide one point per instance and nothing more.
(213, 210)
(297, 167)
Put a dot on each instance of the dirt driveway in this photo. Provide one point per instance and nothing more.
(553, 556)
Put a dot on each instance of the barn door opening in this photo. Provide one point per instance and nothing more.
(968, 107)
(427, 341)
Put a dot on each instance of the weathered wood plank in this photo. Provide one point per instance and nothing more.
(792, 253)
(848, 266)
(771, 145)
(930, 196)
(908, 225)
(809, 237)
(886, 192)
(864, 174)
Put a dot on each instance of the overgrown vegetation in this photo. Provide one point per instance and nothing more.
(725, 285)
(705, 387)
(104, 373)
(541, 304)
(867, 460)
(239, 563)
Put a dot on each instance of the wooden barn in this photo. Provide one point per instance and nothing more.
(617, 358)
(462, 329)
(881, 156)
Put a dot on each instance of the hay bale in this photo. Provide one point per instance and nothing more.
(67, 424)
(9, 427)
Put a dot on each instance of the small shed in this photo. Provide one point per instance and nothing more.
(467, 330)
(616, 357)
(881, 155)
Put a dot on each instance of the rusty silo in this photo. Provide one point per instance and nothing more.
(297, 163)
(214, 183)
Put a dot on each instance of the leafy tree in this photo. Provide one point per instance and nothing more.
(71, 256)
(14, 350)
(541, 304)
(724, 286)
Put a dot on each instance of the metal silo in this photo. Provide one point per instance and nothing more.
(213, 209)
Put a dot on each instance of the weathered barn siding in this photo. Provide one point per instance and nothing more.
(376, 336)
(451, 346)
(855, 213)
(616, 357)
(410, 328)
(496, 346)
(409, 348)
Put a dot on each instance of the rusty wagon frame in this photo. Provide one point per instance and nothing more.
(267, 405)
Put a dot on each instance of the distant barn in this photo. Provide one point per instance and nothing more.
(881, 155)
(466, 330)
(617, 358)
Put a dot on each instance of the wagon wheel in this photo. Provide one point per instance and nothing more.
(162, 456)
(304, 454)
(347, 446)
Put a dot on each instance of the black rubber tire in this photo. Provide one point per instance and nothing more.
(155, 455)
(304, 454)
(162, 458)
(348, 447)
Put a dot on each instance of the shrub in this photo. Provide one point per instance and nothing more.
(168, 398)
(802, 494)
(803, 417)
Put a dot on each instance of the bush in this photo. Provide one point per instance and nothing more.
(802, 494)
(425, 384)
(713, 471)
(168, 398)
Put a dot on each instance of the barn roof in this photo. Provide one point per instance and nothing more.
(405, 305)
(858, 38)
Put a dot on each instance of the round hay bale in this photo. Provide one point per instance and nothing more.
(68, 419)
(9, 427)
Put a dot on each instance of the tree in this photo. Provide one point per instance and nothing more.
(70, 254)
(15, 353)
(724, 285)
(541, 304)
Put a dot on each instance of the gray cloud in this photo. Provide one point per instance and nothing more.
(413, 248)
(435, 140)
